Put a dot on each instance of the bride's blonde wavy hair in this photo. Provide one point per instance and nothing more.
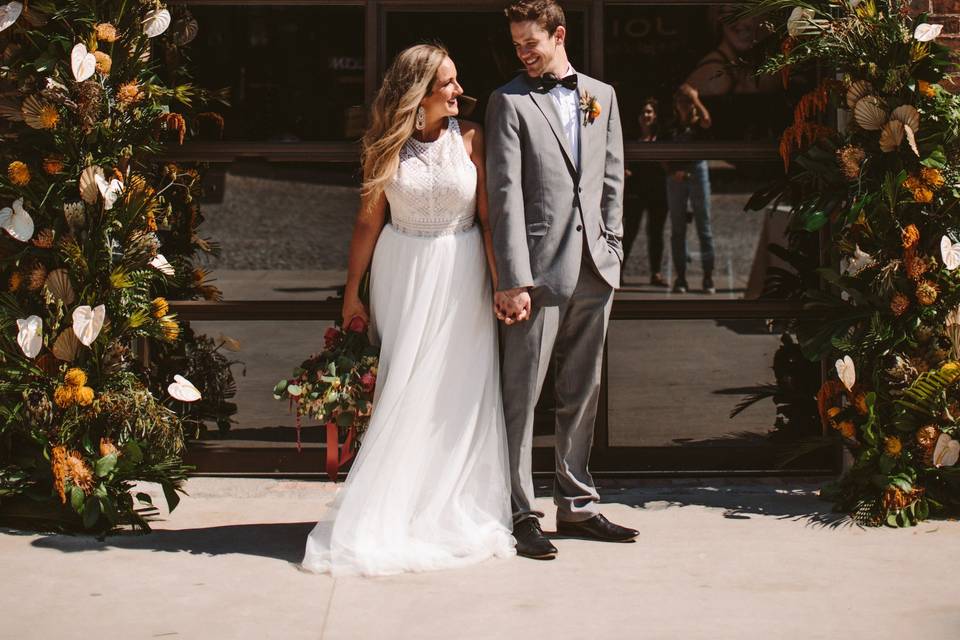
(394, 111)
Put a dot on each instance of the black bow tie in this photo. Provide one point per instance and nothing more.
(548, 81)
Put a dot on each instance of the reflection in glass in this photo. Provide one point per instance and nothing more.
(737, 239)
(284, 228)
(693, 45)
(295, 73)
(270, 351)
(485, 59)
(675, 383)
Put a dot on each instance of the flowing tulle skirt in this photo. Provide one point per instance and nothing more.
(429, 488)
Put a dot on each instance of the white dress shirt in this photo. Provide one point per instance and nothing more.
(568, 105)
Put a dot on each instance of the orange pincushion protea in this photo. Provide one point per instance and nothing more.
(910, 236)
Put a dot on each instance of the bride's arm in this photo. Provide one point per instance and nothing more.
(474, 136)
(366, 230)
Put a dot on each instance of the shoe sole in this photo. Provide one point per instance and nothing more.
(547, 556)
(587, 536)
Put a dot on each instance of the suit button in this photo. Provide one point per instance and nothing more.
(579, 227)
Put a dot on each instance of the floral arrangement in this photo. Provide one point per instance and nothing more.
(336, 388)
(92, 245)
(883, 189)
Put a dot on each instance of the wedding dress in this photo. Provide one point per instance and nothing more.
(429, 488)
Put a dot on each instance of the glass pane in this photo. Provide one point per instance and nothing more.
(295, 73)
(485, 58)
(674, 384)
(284, 229)
(269, 352)
(692, 44)
(704, 201)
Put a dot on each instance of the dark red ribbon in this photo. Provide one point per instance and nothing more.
(338, 456)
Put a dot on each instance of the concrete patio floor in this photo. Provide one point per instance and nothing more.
(715, 559)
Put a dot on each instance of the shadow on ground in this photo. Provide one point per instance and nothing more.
(783, 500)
(280, 540)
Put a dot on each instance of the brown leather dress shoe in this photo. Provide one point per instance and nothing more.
(531, 543)
(597, 528)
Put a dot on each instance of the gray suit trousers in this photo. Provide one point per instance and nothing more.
(573, 331)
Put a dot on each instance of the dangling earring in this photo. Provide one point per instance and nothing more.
(421, 118)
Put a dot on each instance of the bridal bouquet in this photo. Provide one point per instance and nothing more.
(335, 387)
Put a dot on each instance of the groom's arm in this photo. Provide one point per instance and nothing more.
(611, 204)
(505, 195)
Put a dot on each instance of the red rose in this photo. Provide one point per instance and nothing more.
(357, 325)
(330, 338)
(369, 381)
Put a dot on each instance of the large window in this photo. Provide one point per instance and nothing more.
(282, 194)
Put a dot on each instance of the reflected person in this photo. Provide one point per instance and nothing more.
(646, 192)
(689, 181)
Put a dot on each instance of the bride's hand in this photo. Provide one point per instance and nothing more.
(353, 308)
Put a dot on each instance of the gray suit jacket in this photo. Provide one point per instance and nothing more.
(542, 209)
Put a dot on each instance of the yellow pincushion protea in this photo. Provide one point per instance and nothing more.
(58, 468)
(926, 89)
(52, 166)
(75, 377)
(927, 292)
(932, 177)
(84, 396)
(19, 173)
(159, 307)
(922, 195)
(64, 396)
(170, 330)
(106, 32)
(104, 62)
(107, 447)
(910, 234)
(892, 446)
(79, 471)
(847, 429)
(899, 304)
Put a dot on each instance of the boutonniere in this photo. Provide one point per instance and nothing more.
(590, 107)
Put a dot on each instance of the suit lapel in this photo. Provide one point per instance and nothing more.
(585, 129)
(548, 107)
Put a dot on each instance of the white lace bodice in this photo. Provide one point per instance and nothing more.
(435, 189)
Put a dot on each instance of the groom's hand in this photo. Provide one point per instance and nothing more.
(513, 305)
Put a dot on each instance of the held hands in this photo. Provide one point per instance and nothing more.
(512, 305)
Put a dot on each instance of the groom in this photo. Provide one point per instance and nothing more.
(555, 184)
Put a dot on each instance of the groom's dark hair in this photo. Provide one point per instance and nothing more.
(546, 13)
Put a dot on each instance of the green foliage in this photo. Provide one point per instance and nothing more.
(78, 422)
(883, 192)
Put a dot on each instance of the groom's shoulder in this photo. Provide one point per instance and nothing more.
(516, 86)
(597, 86)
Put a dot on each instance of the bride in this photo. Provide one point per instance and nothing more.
(429, 488)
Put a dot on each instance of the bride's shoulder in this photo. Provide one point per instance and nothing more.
(468, 127)
(472, 134)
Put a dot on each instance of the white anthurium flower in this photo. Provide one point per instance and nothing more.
(183, 390)
(156, 22)
(860, 260)
(9, 14)
(847, 372)
(110, 191)
(294, 390)
(16, 221)
(947, 451)
(87, 323)
(160, 264)
(30, 335)
(82, 62)
(950, 252)
(925, 32)
(800, 18)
